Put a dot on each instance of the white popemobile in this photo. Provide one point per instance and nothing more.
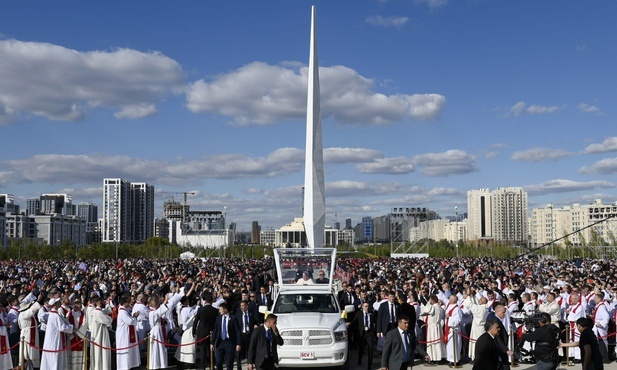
(310, 320)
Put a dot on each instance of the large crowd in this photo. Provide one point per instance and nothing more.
(122, 307)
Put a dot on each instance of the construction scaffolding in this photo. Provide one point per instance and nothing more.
(402, 220)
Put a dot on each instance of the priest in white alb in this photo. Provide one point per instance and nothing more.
(127, 352)
(54, 357)
(100, 355)
(28, 325)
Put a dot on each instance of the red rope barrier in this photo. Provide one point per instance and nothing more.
(466, 337)
(180, 345)
(9, 349)
(56, 350)
(117, 349)
(431, 341)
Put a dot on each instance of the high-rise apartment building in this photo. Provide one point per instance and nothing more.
(143, 211)
(255, 233)
(33, 206)
(509, 214)
(479, 214)
(90, 213)
(128, 211)
(573, 224)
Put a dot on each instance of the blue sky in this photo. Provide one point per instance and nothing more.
(422, 100)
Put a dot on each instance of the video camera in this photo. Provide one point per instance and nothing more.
(530, 322)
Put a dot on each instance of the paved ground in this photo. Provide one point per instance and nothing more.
(418, 365)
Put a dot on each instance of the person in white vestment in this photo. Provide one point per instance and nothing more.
(574, 312)
(63, 311)
(100, 322)
(186, 353)
(55, 339)
(434, 319)
(76, 317)
(158, 331)
(28, 326)
(126, 336)
(479, 309)
(143, 322)
(453, 340)
(601, 319)
(6, 362)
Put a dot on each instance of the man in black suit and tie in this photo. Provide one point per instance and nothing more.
(203, 325)
(247, 321)
(349, 298)
(263, 297)
(386, 316)
(399, 347)
(486, 356)
(499, 314)
(262, 353)
(226, 338)
(364, 325)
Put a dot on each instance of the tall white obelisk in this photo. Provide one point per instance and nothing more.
(314, 188)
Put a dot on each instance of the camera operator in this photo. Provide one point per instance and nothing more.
(546, 338)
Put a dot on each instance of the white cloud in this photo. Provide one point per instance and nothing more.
(564, 186)
(378, 20)
(584, 107)
(70, 168)
(349, 155)
(442, 191)
(539, 155)
(451, 162)
(433, 4)
(258, 93)
(605, 166)
(521, 108)
(397, 165)
(135, 111)
(63, 84)
(608, 145)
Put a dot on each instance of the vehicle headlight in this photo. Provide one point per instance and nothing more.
(340, 336)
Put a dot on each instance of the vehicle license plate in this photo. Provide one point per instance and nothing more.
(307, 355)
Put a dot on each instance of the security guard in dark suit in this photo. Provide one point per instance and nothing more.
(364, 326)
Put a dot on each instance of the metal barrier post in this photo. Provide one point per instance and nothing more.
(85, 352)
(212, 352)
(511, 340)
(148, 343)
(568, 349)
(455, 348)
(22, 349)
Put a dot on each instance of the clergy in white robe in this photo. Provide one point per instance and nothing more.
(479, 310)
(100, 358)
(55, 339)
(158, 331)
(187, 353)
(63, 311)
(76, 317)
(127, 353)
(6, 362)
(452, 337)
(143, 322)
(28, 326)
(574, 312)
(434, 329)
(601, 318)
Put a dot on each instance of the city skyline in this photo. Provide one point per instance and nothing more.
(421, 102)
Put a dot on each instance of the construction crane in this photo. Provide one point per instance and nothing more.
(186, 194)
